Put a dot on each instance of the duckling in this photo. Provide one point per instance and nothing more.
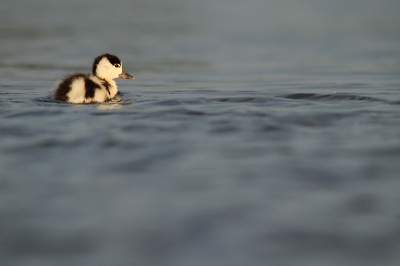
(97, 87)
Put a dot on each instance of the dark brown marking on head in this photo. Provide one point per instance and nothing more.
(114, 60)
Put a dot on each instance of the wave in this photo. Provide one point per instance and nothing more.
(331, 97)
(242, 100)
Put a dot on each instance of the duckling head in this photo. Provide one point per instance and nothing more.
(109, 67)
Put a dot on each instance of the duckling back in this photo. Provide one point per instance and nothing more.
(84, 88)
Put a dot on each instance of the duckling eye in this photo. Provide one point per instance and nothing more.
(117, 65)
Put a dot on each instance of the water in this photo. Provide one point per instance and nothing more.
(257, 133)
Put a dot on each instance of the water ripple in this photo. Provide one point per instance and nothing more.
(330, 97)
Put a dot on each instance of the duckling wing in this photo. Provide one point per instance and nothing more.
(80, 88)
(69, 87)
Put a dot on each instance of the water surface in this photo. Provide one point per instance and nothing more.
(264, 133)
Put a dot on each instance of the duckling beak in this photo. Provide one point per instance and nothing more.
(125, 75)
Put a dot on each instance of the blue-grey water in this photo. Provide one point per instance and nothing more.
(255, 133)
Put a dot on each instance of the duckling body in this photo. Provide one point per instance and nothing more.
(97, 87)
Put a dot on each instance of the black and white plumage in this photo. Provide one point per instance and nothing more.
(97, 87)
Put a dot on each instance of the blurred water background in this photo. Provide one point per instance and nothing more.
(255, 133)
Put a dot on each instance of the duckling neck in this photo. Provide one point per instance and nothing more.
(110, 85)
